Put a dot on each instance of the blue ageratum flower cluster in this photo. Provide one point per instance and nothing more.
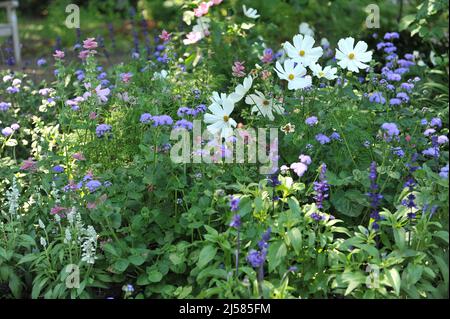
(256, 258)
(393, 71)
(374, 196)
(88, 181)
(157, 120)
(437, 140)
(103, 130)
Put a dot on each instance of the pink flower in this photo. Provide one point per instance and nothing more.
(238, 69)
(165, 36)
(216, 2)
(265, 74)
(90, 44)
(102, 94)
(79, 156)
(59, 55)
(126, 77)
(85, 53)
(202, 9)
(192, 37)
(57, 210)
(92, 116)
(28, 165)
(299, 168)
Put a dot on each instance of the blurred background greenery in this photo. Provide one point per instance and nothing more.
(42, 22)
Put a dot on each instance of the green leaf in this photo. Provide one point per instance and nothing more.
(136, 260)
(394, 279)
(441, 234)
(154, 276)
(206, 255)
(121, 265)
(277, 252)
(295, 237)
(406, 21)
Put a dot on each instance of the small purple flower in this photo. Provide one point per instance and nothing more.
(436, 122)
(93, 185)
(145, 118)
(391, 36)
(391, 129)
(7, 131)
(184, 124)
(423, 122)
(335, 136)
(4, 106)
(403, 96)
(256, 258)
(102, 129)
(321, 187)
(444, 172)
(299, 168)
(236, 221)
(234, 203)
(442, 139)
(58, 169)
(398, 151)
(377, 97)
(322, 139)
(160, 120)
(15, 126)
(311, 121)
(395, 101)
(41, 62)
(305, 159)
(407, 86)
(429, 131)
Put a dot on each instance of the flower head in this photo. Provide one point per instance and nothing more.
(294, 73)
(353, 57)
(302, 50)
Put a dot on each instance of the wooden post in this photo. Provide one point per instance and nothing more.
(12, 21)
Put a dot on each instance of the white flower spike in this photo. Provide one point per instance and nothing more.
(353, 57)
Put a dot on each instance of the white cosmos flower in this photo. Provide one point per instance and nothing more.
(302, 51)
(263, 106)
(328, 72)
(241, 90)
(220, 120)
(305, 29)
(218, 97)
(294, 74)
(250, 12)
(353, 57)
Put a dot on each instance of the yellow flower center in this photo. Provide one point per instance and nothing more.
(291, 77)
(302, 53)
(225, 118)
(351, 56)
(321, 74)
